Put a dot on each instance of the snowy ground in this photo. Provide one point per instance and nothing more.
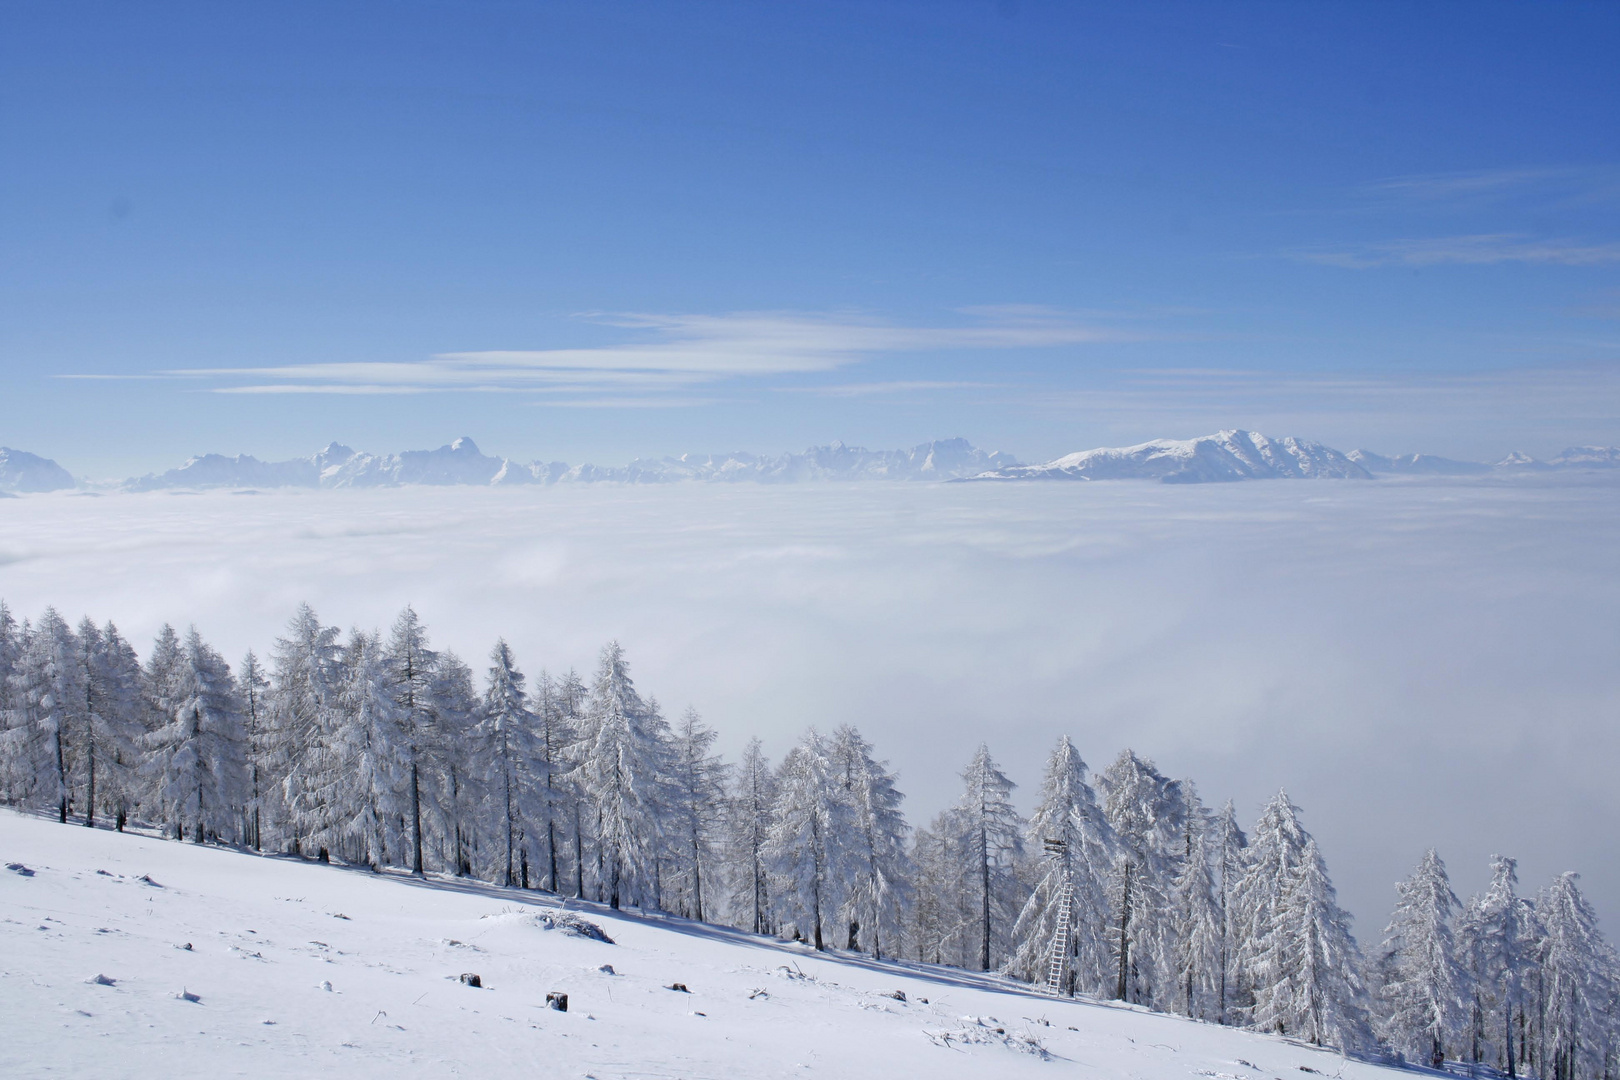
(305, 970)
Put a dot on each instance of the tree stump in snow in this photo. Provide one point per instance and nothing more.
(679, 988)
(557, 1000)
(469, 979)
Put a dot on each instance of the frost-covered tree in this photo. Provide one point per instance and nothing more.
(49, 697)
(1579, 976)
(12, 737)
(454, 701)
(623, 778)
(1231, 859)
(939, 909)
(556, 735)
(987, 839)
(195, 764)
(371, 744)
(697, 793)
(1197, 924)
(1423, 986)
(1069, 814)
(879, 882)
(807, 845)
(251, 686)
(748, 829)
(113, 708)
(1148, 814)
(301, 754)
(511, 759)
(410, 669)
(1300, 961)
(1494, 938)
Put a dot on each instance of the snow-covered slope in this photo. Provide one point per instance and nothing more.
(22, 471)
(1226, 455)
(461, 462)
(133, 956)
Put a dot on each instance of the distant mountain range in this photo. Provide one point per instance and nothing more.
(22, 471)
(1224, 456)
(462, 462)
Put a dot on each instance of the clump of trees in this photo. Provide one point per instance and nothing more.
(379, 750)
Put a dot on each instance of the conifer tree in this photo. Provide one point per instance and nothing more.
(806, 845)
(1300, 961)
(1195, 908)
(988, 842)
(305, 678)
(623, 777)
(1423, 986)
(1148, 814)
(1069, 814)
(195, 763)
(113, 706)
(879, 882)
(1231, 858)
(251, 685)
(371, 796)
(697, 786)
(50, 697)
(454, 701)
(410, 666)
(1578, 968)
(511, 757)
(1495, 936)
(752, 796)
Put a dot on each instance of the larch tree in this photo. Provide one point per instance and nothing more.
(623, 774)
(1424, 988)
(1148, 812)
(511, 759)
(113, 709)
(305, 678)
(1070, 815)
(806, 844)
(748, 829)
(196, 763)
(988, 841)
(1231, 860)
(1495, 936)
(1196, 919)
(1300, 961)
(410, 668)
(50, 698)
(879, 885)
(697, 794)
(454, 701)
(1579, 973)
(251, 686)
(371, 745)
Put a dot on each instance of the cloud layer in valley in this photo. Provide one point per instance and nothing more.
(1418, 662)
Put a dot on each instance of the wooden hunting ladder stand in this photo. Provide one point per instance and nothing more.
(1060, 935)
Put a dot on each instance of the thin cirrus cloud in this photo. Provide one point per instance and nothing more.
(1478, 250)
(672, 354)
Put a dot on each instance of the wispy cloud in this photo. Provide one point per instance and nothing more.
(878, 388)
(673, 353)
(1548, 186)
(1478, 250)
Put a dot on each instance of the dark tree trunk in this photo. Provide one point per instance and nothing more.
(1122, 987)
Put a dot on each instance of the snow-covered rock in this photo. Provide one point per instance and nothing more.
(22, 471)
(1226, 455)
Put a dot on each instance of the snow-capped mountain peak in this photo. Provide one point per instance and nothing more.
(1226, 455)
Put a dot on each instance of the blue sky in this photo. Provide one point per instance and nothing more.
(589, 232)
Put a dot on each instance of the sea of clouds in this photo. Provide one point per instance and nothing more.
(1417, 662)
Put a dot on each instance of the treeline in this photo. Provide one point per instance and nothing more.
(380, 751)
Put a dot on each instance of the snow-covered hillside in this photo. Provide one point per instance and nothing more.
(22, 471)
(125, 955)
(1226, 455)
